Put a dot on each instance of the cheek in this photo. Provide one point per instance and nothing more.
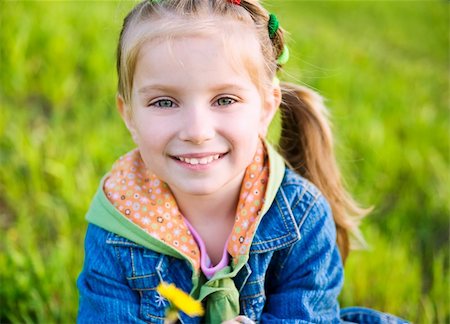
(147, 134)
(247, 128)
(245, 135)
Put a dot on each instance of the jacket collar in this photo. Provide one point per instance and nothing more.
(278, 227)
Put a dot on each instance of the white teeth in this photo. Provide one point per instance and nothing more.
(202, 161)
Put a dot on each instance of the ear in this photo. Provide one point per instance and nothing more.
(271, 104)
(125, 113)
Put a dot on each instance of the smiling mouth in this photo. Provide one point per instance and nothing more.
(199, 160)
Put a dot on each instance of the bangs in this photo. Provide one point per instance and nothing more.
(238, 38)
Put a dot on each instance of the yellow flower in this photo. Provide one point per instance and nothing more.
(180, 300)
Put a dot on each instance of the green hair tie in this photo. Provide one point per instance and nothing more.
(273, 25)
(284, 57)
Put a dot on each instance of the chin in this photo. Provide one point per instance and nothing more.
(198, 191)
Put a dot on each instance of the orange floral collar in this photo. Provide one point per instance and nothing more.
(148, 202)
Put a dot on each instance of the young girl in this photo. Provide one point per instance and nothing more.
(205, 202)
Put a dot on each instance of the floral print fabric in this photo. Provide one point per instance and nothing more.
(148, 202)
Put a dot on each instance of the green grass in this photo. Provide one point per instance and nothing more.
(383, 67)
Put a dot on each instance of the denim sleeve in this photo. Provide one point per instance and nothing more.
(105, 296)
(307, 277)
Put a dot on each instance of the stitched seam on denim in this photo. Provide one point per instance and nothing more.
(121, 243)
(133, 269)
(277, 238)
(252, 296)
(308, 210)
(271, 240)
(293, 182)
(141, 277)
(119, 260)
(285, 200)
(305, 190)
(143, 289)
(247, 275)
(255, 281)
(281, 246)
(300, 197)
(156, 317)
(291, 214)
(159, 267)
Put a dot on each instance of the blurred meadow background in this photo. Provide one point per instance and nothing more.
(382, 65)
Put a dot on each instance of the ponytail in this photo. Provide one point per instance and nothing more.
(307, 146)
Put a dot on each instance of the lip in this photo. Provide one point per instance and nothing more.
(196, 155)
(198, 161)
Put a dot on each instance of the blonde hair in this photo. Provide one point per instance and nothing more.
(306, 138)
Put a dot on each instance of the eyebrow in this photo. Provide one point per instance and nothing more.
(168, 88)
(227, 86)
(151, 87)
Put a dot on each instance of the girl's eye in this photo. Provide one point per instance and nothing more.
(163, 103)
(225, 101)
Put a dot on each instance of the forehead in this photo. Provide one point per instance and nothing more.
(192, 63)
(235, 42)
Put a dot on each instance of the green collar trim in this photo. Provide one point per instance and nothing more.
(104, 215)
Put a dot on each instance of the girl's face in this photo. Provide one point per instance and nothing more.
(195, 117)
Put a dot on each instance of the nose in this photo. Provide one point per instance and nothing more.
(197, 125)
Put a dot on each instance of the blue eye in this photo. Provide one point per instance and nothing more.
(163, 103)
(225, 101)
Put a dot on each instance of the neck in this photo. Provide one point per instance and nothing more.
(215, 208)
(212, 215)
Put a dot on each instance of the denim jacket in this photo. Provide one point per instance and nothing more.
(294, 271)
(291, 271)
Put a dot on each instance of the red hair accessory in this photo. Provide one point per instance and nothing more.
(236, 2)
